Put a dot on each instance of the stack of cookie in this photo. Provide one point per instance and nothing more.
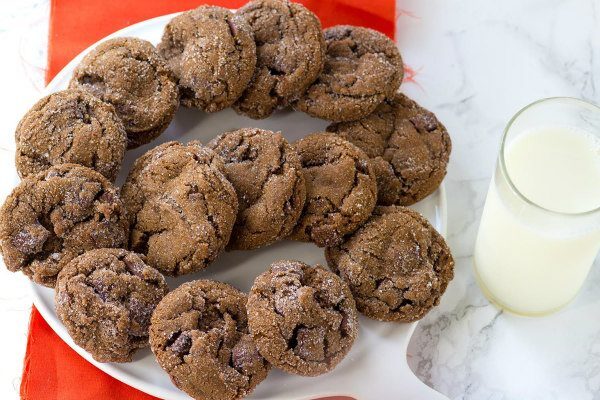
(106, 251)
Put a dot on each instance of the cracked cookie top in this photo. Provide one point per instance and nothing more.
(363, 67)
(70, 126)
(57, 214)
(267, 176)
(181, 207)
(130, 74)
(409, 149)
(199, 334)
(303, 319)
(341, 190)
(290, 54)
(105, 299)
(397, 265)
(212, 53)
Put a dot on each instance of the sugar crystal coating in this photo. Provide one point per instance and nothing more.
(57, 214)
(303, 319)
(70, 126)
(130, 74)
(181, 207)
(407, 146)
(396, 265)
(199, 334)
(362, 68)
(341, 190)
(267, 175)
(212, 53)
(105, 299)
(290, 53)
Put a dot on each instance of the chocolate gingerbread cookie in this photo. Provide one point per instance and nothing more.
(130, 74)
(362, 68)
(199, 334)
(397, 265)
(105, 299)
(409, 149)
(341, 190)
(212, 53)
(57, 214)
(181, 207)
(303, 319)
(267, 176)
(290, 55)
(70, 126)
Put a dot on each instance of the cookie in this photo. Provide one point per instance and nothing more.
(130, 74)
(70, 126)
(267, 176)
(396, 265)
(290, 55)
(409, 149)
(341, 190)
(303, 319)
(362, 68)
(55, 215)
(181, 207)
(212, 53)
(199, 335)
(105, 299)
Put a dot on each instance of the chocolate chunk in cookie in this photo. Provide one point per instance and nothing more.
(70, 126)
(267, 176)
(130, 74)
(105, 299)
(303, 319)
(181, 206)
(341, 190)
(396, 265)
(212, 53)
(199, 335)
(362, 68)
(409, 149)
(290, 54)
(57, 214)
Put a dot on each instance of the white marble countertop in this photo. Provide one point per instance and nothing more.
(477, 62)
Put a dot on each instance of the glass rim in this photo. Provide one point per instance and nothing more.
(503, 163)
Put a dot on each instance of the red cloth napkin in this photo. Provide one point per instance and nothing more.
(52, 370)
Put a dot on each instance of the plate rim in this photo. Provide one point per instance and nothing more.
(109, 368)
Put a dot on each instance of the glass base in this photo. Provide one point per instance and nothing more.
(502, 306)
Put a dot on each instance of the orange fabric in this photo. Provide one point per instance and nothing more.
(52, 370)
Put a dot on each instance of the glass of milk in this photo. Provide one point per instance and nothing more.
(540, 228)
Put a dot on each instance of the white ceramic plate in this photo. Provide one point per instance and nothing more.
(376, 367)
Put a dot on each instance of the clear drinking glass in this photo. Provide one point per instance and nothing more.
(540, 229)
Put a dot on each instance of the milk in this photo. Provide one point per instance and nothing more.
(529, 260)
